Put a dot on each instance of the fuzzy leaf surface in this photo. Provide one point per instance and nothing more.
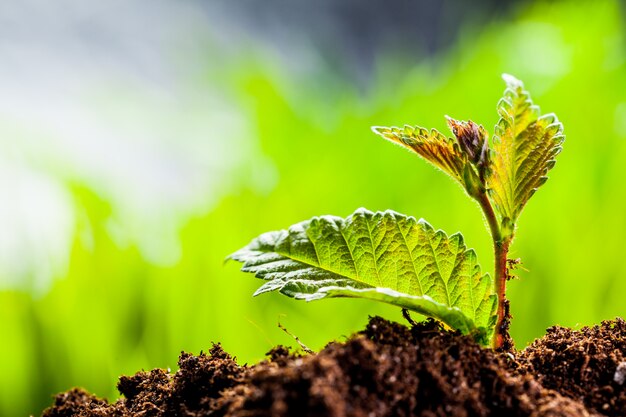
(441, 151)
(384, 256)
(525, 146)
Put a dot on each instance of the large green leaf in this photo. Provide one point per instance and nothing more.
(383, 256)
(524, 149)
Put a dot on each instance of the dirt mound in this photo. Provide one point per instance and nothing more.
(386, 370)
(588, 365)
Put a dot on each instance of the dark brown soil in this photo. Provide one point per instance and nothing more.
(588, 365)
(386, 370)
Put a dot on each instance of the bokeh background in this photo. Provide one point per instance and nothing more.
(142, 142)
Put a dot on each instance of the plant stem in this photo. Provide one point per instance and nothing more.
(502, 339)
(501, 244)
(490, 215)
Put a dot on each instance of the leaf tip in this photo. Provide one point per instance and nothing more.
(362, 210)
(424, 223)
(511, 81)
(379, 130)
(235, 256)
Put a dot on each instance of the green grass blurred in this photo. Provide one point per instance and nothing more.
(115, 313)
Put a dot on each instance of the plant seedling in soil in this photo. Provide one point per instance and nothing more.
(393, 258)
(388, 369)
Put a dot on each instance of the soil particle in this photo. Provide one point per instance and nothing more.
(280, 355)
(588, 365)
(386, 370)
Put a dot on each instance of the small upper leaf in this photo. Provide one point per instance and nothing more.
(439, 150)
(383, 256)
(525, 145)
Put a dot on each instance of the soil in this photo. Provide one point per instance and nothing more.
(385, 370)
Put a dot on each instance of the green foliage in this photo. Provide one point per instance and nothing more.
(523, 150)
(524, 147)
(382, 256)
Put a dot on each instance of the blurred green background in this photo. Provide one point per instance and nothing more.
(142, 143)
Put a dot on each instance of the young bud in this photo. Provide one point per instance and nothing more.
(472, 139)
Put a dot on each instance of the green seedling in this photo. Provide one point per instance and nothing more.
(396, 259)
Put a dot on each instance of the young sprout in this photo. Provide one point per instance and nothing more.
(396, 259)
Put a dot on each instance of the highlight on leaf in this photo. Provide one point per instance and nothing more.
(525, 146)
(382, 256)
